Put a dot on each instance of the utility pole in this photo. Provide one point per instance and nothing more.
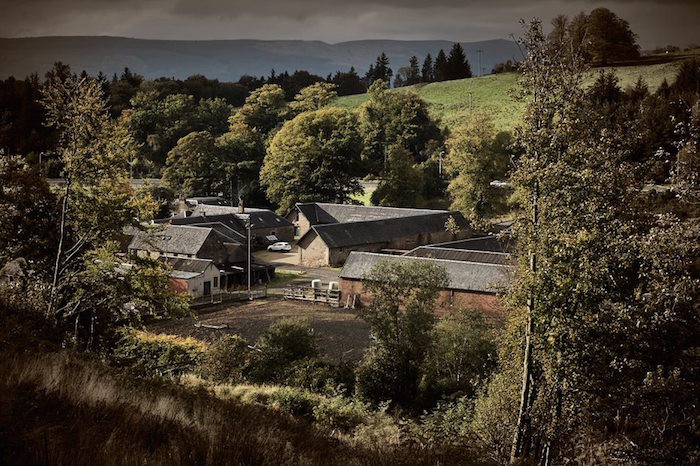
(250, 296)
(442, 154)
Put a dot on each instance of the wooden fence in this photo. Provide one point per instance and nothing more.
(316, 295)
(229, 296)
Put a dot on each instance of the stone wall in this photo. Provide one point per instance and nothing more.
(313, 252)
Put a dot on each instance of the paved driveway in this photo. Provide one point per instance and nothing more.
(289, 262)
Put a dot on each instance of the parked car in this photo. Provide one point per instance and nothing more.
(280, 246)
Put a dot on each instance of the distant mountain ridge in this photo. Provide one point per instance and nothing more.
(225, 60)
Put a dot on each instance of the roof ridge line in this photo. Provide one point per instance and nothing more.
(433, 259)
(429, 246)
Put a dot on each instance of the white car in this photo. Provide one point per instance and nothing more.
(281, 246)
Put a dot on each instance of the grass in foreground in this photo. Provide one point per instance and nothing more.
(66, 408)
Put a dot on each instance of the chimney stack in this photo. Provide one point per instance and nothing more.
(241, 207)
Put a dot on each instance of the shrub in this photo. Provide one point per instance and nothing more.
(449, 422)
(286, 341)
(461, 356)
(341, 413)
(226, 359)
(294, 401)
(495, 411)
(321, 376)
(158, 354)
(382, 376)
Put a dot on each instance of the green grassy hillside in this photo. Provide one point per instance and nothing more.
(450, 100)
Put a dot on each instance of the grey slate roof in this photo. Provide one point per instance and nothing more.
(323, 213)
(338, 235)
(463, 276)
(464, 255)
(228, 225)
(260, 218)
(173, 239)
(483, 243)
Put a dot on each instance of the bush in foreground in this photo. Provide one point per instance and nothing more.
(158, 354)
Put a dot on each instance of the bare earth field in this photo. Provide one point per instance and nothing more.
(342, 335)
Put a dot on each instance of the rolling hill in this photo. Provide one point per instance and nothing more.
(454, 101)
(225, 60)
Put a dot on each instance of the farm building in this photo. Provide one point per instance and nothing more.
(197, 277)
(307, 214)
(472, 285)
(199, 242)
(188, 242)
(265, 225)
(332, 231)
(228, 226)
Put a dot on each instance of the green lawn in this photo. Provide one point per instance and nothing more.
(454, 101)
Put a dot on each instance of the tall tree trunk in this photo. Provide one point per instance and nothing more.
(59, 252)
(521, 428)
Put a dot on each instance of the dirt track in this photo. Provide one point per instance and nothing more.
(342, 335)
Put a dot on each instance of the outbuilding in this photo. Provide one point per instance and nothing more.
(472, 285)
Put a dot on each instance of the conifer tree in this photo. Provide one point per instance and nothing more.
(427, 70)
(457, 63)
(414, 72)
(440, 71)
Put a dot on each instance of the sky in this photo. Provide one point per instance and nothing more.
(657, 22)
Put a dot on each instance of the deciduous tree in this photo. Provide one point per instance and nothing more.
(395, 118)
(402, 182)
(478, 156)
(401, 317)
(315, 156)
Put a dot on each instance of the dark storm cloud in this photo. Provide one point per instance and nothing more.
(331, 20)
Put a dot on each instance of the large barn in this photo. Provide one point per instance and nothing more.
(472, 285)
(330, 232)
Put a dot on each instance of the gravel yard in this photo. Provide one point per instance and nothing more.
(342, 335)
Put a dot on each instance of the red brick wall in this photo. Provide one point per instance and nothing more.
(447, 300)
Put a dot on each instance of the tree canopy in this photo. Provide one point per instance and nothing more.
(314, 157)
(478, 156)
(396, 118)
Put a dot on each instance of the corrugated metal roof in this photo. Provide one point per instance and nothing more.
(184, 275)
(463, 276)
(464, 255)
(337, 235)
(187, 264)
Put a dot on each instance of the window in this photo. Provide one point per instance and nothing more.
(216, 282)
